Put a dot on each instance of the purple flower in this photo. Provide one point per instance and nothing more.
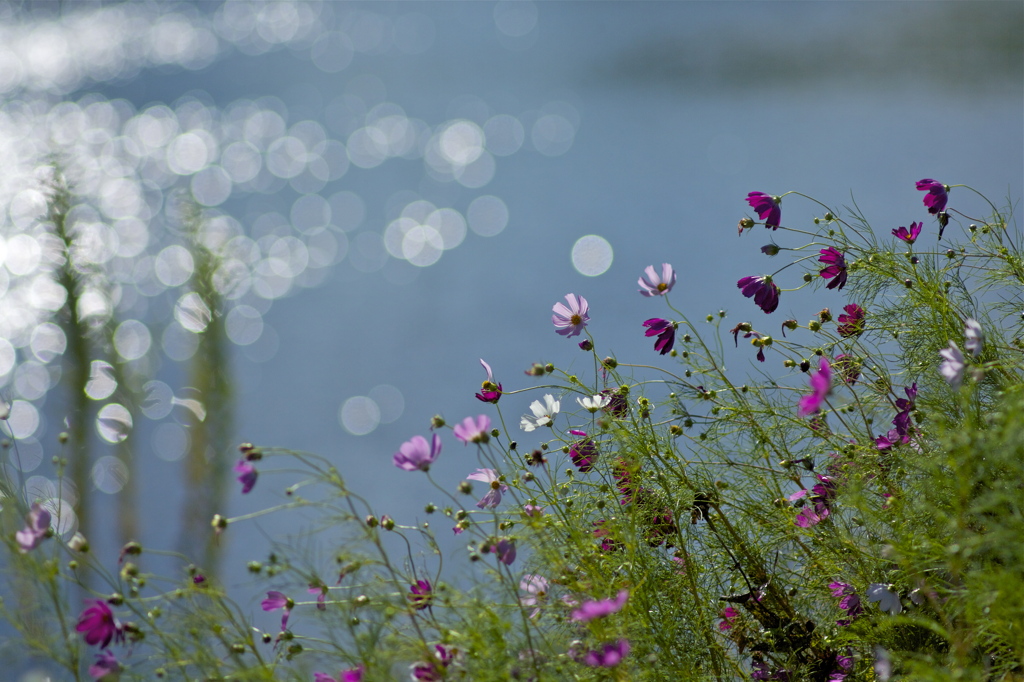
(352, 675)
(909, 236)
(891, 439)
(246, 475)
(536, 588)
(277, 600)
(953, 364)
(533, 510)
(763, 289)
(98, 624)
(493, 497)
(608, 656)
(616, 403)
(767, 208)
(905, 407)
(728, 614)
(505, 550)
(664, 330)
(589, 610)
(433, 670)
(848, 601)
(473, 431)
(936, 198)
(821, 383)
(835, 268)
(490, 392)
(848, 368)
(37, 527)
(416, 454)
(421, 594)
(570, 320)
(583, 452)
(653, 285)
(106, 664)
(818, 499)
(852, 323)
(320, 590)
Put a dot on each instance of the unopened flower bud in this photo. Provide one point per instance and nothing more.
(908, 283)
(78, 543)
(430, 508)
(675, 430)
(805, 366)
(586, 344)
(219, 523)
(371, 520)
(808, 277)
(825, 315)
(387, 522)
(770, 249)
(814, 325)
(549, 368)
(610, 363)
(437, 421)
(788, 363)
(745, 224)
(790, 324)
(465, 487)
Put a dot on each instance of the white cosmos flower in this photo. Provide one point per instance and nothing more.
(542, 413)
(952, 367)
(594, 404)
(887, 599)
(975, 337)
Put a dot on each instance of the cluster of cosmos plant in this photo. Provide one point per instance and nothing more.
(541, 596)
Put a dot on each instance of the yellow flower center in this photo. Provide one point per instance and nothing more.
(662, 286)
(576, 319)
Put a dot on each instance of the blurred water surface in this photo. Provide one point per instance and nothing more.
(397, 190)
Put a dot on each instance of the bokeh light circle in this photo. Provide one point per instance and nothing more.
(359, 415)
(592, 255)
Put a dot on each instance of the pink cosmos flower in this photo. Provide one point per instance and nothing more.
(953, 365)
(570, 320)
(835, 268)
(909, 236)
(473, 431)
(767, 208)
(36, 529)
(583, 452)
(655, 285)
(106, 665)
(763, 290)
(536, 588)
(608, 656)
(729, 614)
(246, 475)
(277, 600)
(821, 383)
(416, 454)
(320, 590)
(589, 610)
(351, 675)
(490, 392)
(533, 510)
(493, 497)
(98, 624)
(936, 198)
(849, 601)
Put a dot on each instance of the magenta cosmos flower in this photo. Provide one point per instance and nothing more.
(821, 383)
(421, 594)
(106, 665)
(246, 475)
(98, 624)
(493, 497)
(835, 268)
(416, 454)
(937, 195)
(728, 614)
(583, 452)
(909, 236)
(763, 290)
(490, 392)
(664, 330)
(589, 610)
(570, 320)
(767, 208)
(37, 526)
(351, 675)
(473, 430)
(655, 285)
(277, 600)
(852, 323)
(608, 656)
